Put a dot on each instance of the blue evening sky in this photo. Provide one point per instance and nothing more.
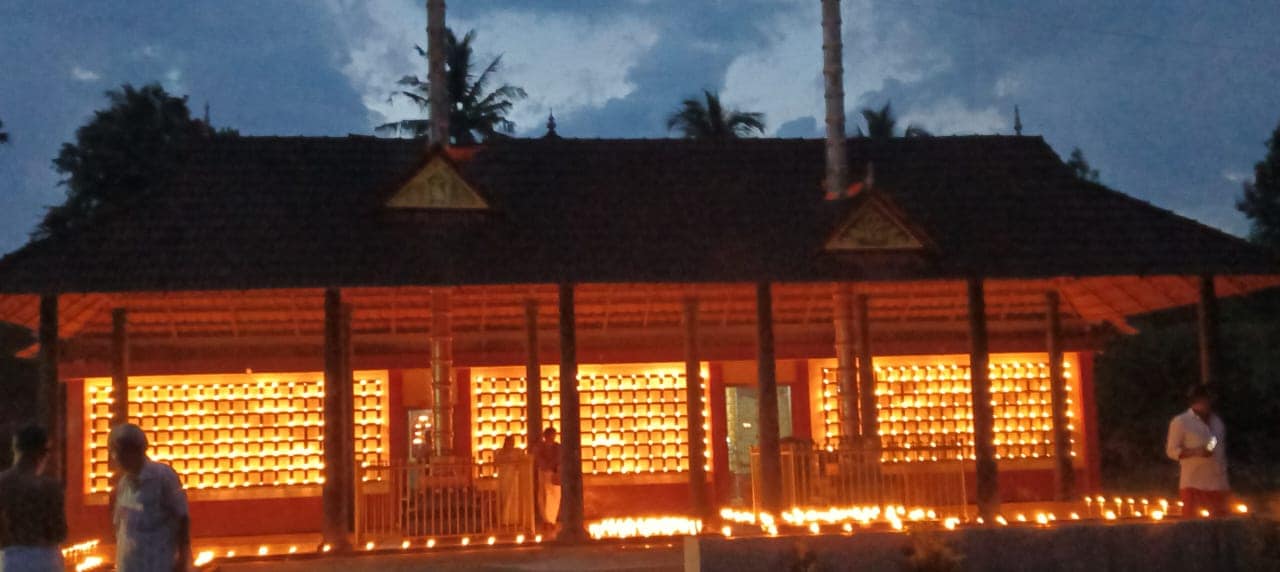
(1171, 99)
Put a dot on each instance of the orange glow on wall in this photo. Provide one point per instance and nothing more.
(925, 406)
(236, 432)
(634, 417)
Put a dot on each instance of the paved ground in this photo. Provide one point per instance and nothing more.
(662, 557)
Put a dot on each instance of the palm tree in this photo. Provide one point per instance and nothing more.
(698, 119)
(883, 124)
(476, 112)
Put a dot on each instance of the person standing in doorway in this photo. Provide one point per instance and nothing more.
(32, 521)
(1197, 440)
(150, 515)
(513, 477)
(547, 461)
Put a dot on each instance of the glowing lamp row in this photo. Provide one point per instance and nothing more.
(631, 423)
(920, 406)
(234, 435)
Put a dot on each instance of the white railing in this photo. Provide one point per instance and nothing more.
(441, 499)
(853, 476)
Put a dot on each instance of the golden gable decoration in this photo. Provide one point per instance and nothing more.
(873, 226)
(438, 186)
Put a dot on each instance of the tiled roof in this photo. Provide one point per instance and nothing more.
(272, 212)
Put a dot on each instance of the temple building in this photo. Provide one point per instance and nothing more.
(290, 319)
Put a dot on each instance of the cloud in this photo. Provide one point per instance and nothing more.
(81, 74)
(1235, 176)
(565, 62)
(783, 77)
(952, 117)
(800, 127)
(173, 81)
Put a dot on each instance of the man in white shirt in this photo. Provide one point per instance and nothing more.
(1197, 440)
(150, 514)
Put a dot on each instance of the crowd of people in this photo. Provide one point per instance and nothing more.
(151, 522)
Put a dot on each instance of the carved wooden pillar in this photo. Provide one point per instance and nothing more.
(983, 415)
(767, 405)
(1064, 472)
(697, 433)
(50, 408)
(846, 365)
(119, 366)
(338, 482)
(572, 528)
(532, 375)
(1207, 319)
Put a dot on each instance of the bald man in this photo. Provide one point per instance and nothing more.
(150, 515)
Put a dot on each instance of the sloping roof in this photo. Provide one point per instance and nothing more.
(277, 212)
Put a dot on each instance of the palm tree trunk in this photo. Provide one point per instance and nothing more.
(833, 71)
(437, 81)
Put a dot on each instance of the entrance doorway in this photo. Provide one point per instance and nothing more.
(742, 416)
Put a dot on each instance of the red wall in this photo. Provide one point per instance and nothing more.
(208, 518)
(298, 515)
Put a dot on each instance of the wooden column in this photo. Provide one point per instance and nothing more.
(846, 365)
(119, 366)
(983, 415)
(1207, 318)
(443, 398)
(49, 407)
(697, 433)
(532, 375)
(869, 414)
(572, 528)
(1064, 473)
(770, 478)
(338, 482)
(347, 409)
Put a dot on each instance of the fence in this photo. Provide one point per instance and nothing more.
(407, 501)
(859, 477)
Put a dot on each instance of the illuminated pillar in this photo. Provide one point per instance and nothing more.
(697, 434)
(846, 365)
(443, 398)
(532, 375)
(338, 470)
(767, 405)
(571, 525)
(1207, 318)
(1064, 472)
(50, 407)
(119, 366)
(983, 414)
(870, 415)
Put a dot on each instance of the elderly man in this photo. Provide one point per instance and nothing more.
(1197, 440)
(150, 514)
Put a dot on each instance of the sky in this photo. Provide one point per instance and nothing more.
(1172, 100)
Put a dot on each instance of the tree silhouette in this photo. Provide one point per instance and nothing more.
(476, 112)
(125, 150)
(1261, 199)
(883, 124)
(707, 118)
(1080, 166)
